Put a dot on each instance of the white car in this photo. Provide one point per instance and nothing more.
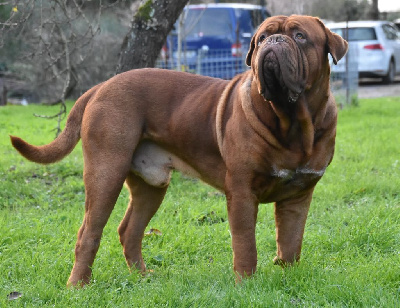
(376, 46)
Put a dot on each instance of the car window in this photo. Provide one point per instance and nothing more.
(208, 22)
(357, 34)
(390, 32)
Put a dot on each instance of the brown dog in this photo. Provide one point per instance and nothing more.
(266, 136)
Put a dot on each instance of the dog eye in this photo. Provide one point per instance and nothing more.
(299, 36)
(261, 39)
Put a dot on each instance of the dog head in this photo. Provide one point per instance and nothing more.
(289, 54)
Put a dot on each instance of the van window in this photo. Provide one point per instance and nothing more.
(257, 17)
(208, 22)
(357, 34)
(244, 21)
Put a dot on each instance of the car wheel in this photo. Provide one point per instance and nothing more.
(389, 78)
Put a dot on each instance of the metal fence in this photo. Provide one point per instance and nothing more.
(344, 78)
(227, 63)
(220, 63)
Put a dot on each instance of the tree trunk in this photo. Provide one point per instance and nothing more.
(151, 24)
(374, 13)
(3, 92)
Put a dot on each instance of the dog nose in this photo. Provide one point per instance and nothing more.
(276, 39)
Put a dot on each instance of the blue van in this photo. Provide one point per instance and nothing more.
(212, 39)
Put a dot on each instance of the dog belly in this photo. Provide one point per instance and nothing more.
(154, 164)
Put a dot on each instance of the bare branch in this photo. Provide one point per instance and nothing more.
(55, 36)
(59, 48)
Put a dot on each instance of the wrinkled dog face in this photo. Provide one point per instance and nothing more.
(287, 55)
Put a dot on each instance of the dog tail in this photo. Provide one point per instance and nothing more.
(64, 143)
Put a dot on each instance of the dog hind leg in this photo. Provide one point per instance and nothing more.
(107, 160)
(144, 203)
(102, 190)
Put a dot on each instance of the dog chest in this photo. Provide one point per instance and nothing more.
(281, 183)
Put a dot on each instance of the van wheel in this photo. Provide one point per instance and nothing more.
(389, 78)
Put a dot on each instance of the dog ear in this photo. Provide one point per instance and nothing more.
(250, 52)
(336, 45)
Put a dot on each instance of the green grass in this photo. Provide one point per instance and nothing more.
(351, 251)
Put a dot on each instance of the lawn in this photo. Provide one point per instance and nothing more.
(351, 250)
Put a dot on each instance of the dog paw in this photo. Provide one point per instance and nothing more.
(280, 262)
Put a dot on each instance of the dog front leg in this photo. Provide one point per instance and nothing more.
(242, 214)
(290, 220)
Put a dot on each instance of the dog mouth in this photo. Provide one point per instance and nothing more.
(281, 72)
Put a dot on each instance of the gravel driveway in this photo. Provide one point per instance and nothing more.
(370, 88)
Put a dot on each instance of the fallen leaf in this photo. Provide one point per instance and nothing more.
(157, 260)
(14, 295)
(153, 232)
(209, 219)
(215, 194)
